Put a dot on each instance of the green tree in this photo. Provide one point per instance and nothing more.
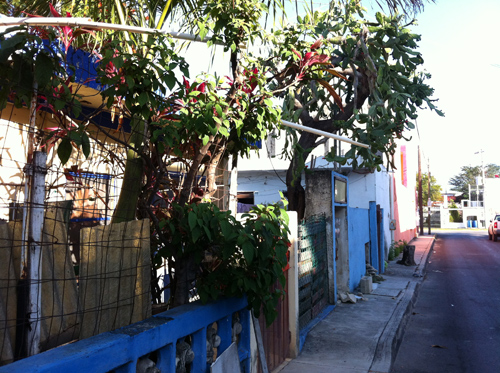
(468, 175)
(366, 85)
(455, 215)
(435, 189)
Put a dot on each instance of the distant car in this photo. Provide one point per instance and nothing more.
(494, 228)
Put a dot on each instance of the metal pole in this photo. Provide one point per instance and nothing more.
(35, 228)
(420, 205)
(323, 133)
(429, 200)
(482, 163)
(27, 183)
(88, 23)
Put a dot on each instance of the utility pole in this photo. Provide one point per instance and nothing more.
(420, 206)
(429, 201)
(482, 163)
(484, 189)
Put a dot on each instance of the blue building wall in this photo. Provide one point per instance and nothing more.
(359, 235)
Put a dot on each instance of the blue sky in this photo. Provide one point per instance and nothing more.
(461, 50)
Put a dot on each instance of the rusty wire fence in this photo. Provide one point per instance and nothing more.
(313, 269)
(66, 273)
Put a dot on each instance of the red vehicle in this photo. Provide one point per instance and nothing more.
(494, 228)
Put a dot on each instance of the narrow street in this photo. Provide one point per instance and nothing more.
(455, 325)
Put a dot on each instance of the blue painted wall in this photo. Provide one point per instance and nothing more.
(359, 235)
(120, 350)
(374, 254)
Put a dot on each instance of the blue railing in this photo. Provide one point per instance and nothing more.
(154, 340)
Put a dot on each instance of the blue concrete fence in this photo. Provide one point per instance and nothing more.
(154, 338)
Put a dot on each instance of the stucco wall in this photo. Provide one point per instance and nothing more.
(265, 185)
(319, 193)
(383, 198)
(491, 198)
(375, 186)
(361, 189)
(404, 196)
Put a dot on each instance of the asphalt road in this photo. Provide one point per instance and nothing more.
(455, 325)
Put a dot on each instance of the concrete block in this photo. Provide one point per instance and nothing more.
(366, 284)
(347, 298)
(343, 297)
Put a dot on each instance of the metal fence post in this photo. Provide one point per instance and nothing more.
(35, 228)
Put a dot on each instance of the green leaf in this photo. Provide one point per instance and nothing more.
(223, 131)
(10, 45)
(203, 30)
(195, 234)
(268, 102)
(110, 101)
(143, 98)
(85, 145)
(219, 110)
(130, 82)
(248, 251)
(118, 62)
(170, 81)
(226, 228)
(64, 150)
(77, 108)
(207, 232)
(192, 218)
(59, 104)
(43, 69)
(205, 140)
(75, 136)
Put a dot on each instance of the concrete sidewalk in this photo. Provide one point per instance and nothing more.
(364, 337)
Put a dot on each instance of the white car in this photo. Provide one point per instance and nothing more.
(494, 228)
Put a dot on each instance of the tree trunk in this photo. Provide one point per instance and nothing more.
(185, 274)
(307, 143)
(126, 207)
(408, 256)
(212, 168)
(295, 191)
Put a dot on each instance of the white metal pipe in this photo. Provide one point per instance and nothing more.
(323, 133)
(88, 23)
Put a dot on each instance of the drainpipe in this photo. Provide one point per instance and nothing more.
(391, 202)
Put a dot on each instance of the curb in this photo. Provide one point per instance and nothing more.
(391, 337)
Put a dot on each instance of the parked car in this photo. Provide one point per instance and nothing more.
(494, 228)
